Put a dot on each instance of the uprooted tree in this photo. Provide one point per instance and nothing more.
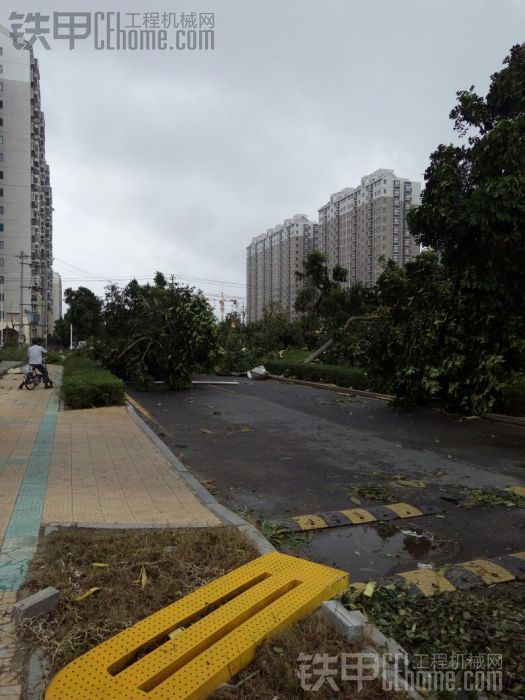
(162, 331)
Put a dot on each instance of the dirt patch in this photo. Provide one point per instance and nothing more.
(134, 572)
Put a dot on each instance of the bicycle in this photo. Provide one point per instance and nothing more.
(32, 379)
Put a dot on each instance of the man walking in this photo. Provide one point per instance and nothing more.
(36, 359)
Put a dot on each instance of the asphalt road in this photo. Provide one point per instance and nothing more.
(272, 450)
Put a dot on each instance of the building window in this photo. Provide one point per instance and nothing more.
(2, 209)
(1, 279)
(1, 86)
(1, 245)
(1, 121)
(1, 174)
(1, 226)
(1, 68)
(1, 191)
(1, 156)
(1, 139)
(1, 262)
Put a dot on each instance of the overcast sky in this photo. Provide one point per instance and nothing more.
(174, 160)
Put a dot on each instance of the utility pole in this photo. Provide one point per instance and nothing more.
(21, 257)
(44, 308)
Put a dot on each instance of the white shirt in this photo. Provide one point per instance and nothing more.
(35, 354)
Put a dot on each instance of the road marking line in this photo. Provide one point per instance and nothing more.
(140, 408)
(519, 555)
(220, 627)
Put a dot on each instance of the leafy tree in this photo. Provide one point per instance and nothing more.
(324, 299)
(61, 333)
(273, 332)
(84, 312)
(421, 349)
(165, 331)
(473, 214)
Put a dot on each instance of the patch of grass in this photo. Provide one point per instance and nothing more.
(478, 497)
(479, 621)
(137, 571)
(273, 674)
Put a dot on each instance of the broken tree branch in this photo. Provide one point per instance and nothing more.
(329, 342)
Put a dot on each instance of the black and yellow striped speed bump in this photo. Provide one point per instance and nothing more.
(360, 516)
(478, 572)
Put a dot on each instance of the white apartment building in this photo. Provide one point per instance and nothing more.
(273, 258)
(360, 225)
(26, 276)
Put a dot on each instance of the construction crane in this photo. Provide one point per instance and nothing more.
(234, 301)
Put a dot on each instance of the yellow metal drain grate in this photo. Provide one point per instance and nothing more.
(188, 648)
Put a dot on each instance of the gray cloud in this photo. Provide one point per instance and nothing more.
(174, 160)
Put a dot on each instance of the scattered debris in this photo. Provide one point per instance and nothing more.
(259, 372)
(211, 382)
(478, 497)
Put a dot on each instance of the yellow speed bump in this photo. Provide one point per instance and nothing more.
(428, 581)
(516, 490)
(488, 571)
(404, 510)
(359, 515)
(219, 627)
(310, 522)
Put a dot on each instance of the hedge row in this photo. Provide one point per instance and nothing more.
(329, 374)
(86, 384)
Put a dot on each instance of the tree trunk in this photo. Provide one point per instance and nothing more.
(329, 342)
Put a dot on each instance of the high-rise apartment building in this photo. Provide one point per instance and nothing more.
(360, 225)
(26, 276)
(272, 260)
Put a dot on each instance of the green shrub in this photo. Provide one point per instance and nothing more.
(53, 358)
(332, 374)
(86, 384)
(14, 353)
(511, 396)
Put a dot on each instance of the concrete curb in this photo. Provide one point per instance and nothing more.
(333, 387)
(494, 417)
(353, 625)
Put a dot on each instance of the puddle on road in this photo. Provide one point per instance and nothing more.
(373, 551)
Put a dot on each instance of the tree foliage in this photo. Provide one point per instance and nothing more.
(473, 215)
(165, 331)
(324, 299)
(84, 313)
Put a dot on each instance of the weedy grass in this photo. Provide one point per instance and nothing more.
(273, 674)
(134, 572)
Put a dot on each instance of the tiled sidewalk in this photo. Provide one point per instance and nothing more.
(105, 469)
(89, 466)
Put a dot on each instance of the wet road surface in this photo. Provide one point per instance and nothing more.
(271, 450)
